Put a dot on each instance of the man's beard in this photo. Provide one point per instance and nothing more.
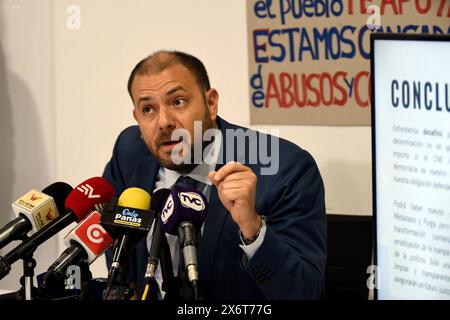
(187, 165)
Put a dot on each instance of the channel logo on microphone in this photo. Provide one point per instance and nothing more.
(32, 200)
(128, 217)
(35, 197)
(92, 234)
(167, 210)
(192, 200)
(44, 217)
(39, 206)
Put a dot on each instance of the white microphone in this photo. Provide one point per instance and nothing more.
(34, 210)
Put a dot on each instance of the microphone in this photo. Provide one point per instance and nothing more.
(34, 210)
(87, 241)
(127, 221)
(158, 201)
(90, 194)
(183, 214)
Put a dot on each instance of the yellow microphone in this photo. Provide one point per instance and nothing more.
(128, 222)
(135, 198)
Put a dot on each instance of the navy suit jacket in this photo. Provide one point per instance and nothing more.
(289, 264)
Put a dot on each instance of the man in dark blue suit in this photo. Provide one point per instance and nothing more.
(264, 236)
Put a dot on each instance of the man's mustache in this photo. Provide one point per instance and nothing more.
(165, 137)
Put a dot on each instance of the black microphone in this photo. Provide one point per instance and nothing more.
(34, 210)
(80, 201)
(158, 201)
(183, 214)
(127, 221)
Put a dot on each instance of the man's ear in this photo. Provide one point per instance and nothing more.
(212, 99)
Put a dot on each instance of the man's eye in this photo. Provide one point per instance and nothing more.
(179, 102)
(147, 110)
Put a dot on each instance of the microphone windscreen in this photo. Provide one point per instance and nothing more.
(159, 199)
(183, 204)
(136, 198)
(59, 191)
(89, 195)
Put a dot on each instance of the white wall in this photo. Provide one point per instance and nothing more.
(28, 154)
(91, 67)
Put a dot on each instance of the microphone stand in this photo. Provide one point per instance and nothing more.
(123, 271)
(29, 263)
(165, 262)
(123, 292)
(28, 290)
(85, 276)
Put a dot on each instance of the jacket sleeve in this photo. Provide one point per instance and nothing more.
(114, 171)
(290, 262)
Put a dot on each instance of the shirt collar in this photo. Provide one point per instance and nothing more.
(200, 172)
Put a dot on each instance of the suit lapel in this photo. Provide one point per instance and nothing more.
(207, 246)
(145, 174)
(144, 177)
(215, 219)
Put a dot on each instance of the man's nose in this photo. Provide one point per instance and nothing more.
(166, 118)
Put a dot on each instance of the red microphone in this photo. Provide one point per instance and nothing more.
(87, 196)
(84, 198)
(91, 236)
(87, 241)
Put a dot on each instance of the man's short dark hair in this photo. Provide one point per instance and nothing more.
(161, 60)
